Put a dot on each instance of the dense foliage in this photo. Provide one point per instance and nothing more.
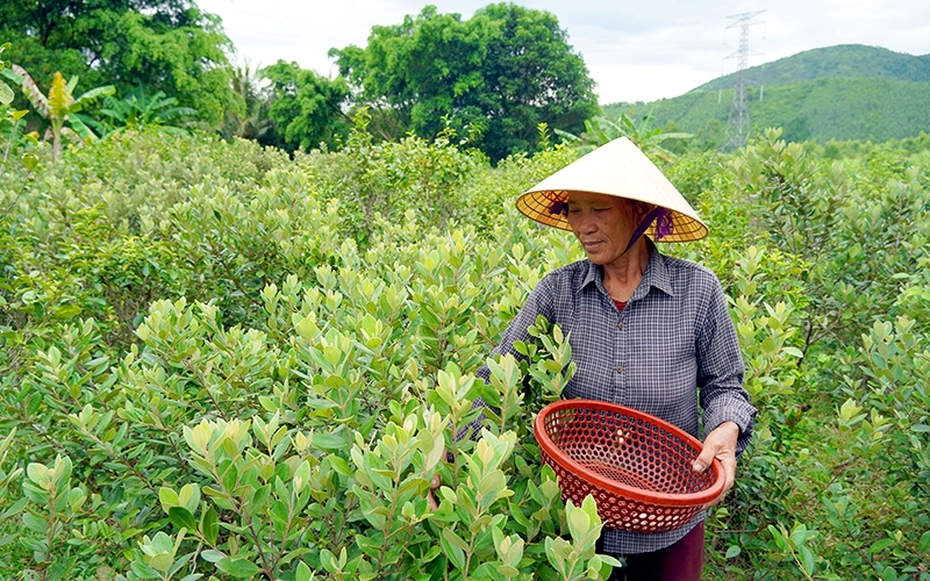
(209, 369)
(167, 45)
(495, 76)
(305, 109)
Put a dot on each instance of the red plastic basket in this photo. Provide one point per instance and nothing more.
(637, 467)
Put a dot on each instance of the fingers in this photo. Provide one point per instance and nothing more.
(435, 483)
(720, 444)
(704, 460)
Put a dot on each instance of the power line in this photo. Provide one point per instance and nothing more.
(737, 132)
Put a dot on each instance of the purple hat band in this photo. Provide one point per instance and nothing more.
(663, 220)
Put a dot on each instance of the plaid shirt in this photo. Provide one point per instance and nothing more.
(673, 347)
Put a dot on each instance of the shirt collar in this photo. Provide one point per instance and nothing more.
(656, 275)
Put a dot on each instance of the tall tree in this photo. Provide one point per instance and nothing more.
(306, 108)
(163, 45)
(496, 76)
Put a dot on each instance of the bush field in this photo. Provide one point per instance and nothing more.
(217, 361)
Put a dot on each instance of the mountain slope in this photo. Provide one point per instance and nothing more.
(841, 92)
(846, 60)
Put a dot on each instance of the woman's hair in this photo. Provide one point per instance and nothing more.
(637, 210)
(559, 207)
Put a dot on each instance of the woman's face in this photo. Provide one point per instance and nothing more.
(603, 224)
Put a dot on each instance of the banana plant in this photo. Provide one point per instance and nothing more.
(600, 130)
(140, 110)
(59, 106)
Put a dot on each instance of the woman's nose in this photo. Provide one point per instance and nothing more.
(586, 223)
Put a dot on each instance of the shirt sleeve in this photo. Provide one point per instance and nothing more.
(720, 370)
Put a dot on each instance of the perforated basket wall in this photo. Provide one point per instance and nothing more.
(637, 467)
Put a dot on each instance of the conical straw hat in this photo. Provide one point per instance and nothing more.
(619, 169)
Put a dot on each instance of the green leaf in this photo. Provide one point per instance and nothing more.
(279, 514)
(260, 496)
(34, 523)
(768, 345)
(452, 546)
(189, 497)
(19, 506)
(6, 94)
(212, 556)
(8, 539)
(780, 541)
(880, 545)
(303, 572)
(168, 497)
(210, 526)
(37, 473)
(182, 518)
(231, 478)
(807, 559)
(143, 571)
(162, 562)
(733, 551)
(340, 465)
(794, 352)
(334, 381)
(924, 545)
(327, 442)
(239, 568)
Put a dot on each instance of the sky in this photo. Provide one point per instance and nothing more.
(634, 51)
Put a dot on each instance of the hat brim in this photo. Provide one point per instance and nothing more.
(617, 169)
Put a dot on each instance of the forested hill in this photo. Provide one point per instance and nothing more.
(851, 61)
(840, 92)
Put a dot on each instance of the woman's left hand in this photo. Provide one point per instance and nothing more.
(720, 444)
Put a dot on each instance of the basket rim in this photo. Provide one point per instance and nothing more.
(655, 498)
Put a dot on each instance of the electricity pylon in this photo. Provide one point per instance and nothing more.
(737, 132)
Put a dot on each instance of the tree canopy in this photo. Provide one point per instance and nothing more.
(495, 76)
(305, 108)
(167, 45)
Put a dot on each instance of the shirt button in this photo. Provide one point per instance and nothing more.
(620, 325)
(619, 369)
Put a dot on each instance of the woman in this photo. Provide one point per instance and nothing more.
(646, 330)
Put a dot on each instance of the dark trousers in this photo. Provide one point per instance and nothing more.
(682, 561)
